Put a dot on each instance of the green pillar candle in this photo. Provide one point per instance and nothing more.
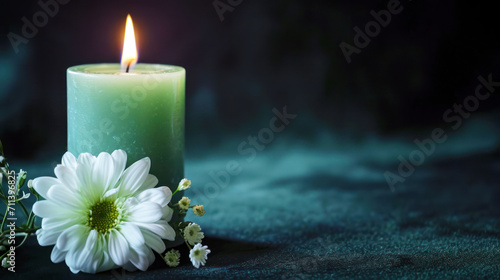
(141, 112)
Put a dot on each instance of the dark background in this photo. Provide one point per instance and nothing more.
(315, 202)
(262, 55)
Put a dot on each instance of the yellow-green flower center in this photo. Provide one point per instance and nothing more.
(103, 216)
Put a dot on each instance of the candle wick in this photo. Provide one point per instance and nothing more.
(128, 67)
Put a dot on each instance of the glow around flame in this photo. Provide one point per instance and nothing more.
(129, 54)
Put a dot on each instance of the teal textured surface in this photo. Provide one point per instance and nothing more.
(314, 223)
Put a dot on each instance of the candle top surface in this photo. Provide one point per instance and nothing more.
(115, 69)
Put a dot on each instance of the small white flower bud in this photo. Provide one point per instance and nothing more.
(184, 184)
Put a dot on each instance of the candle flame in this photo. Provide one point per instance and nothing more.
(129, 54)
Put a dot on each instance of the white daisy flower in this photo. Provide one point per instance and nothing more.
(198, 255)
(172, 258)
(100, 215)
(198, 210)
(184, 203)
(193, 233)
(184, 184)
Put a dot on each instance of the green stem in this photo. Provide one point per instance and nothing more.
(190, 248)
(3, 255)
(24, 240)
(176, 190)
(24, 209)
(4, 217)
(31, 220)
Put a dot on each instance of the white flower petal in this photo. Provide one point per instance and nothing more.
(48, 209)
(43, 184)
(86, 159)
(139, 258)
(131, 202)
(118, 247)
(133, 235)
(154, 241)
(47, 237)
(69, 160)
(146, 212)
(105, 262)
(160, 228)
(150, 182)
(67, 176)
(87, 189)
(111, 192)
(84, 174)
(103, 172)
(65, 197)
(75, 250)
(167, 213)
(70, 238)
(120, 156)
(72, 257)
(58, 224)
(96, 251)
(74, 271)
(85, 259)
(169, 232)
(120, 161)
(57, 255)
(161, 196)
(134, 176)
